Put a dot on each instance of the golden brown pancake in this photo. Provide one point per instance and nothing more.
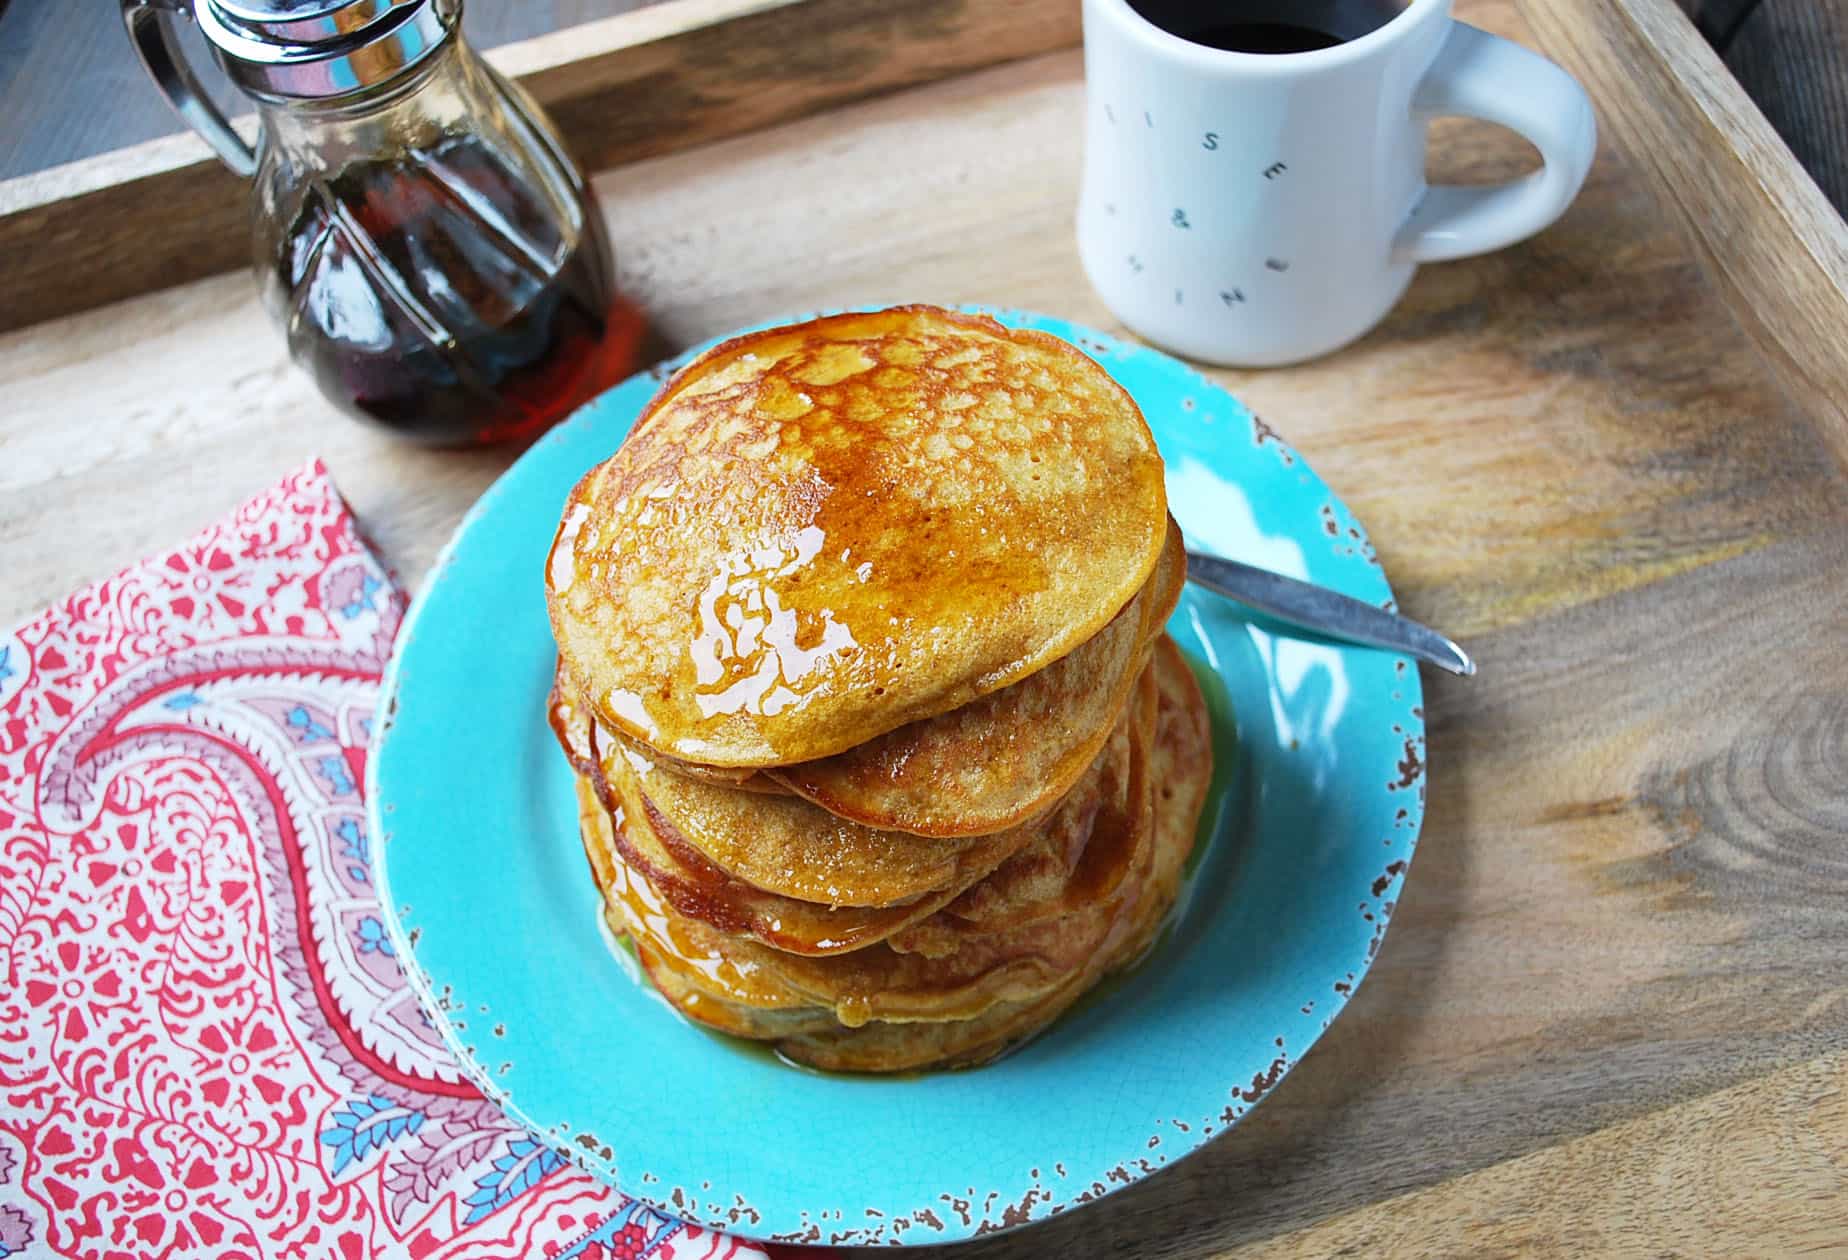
(742, 777)
(785, 846)
(810, 1036)
(1010, 963)
(1180, 769)
(827, 864)
(566, 718)
(820, 533)
(1180, 772)
(856, 885)
(633, 907)
(993, 762)
(996, 989)
(570, 721)
(700, 1002)
(727, 986)
(699, 888)
(1053, 876)
(898, 1047)
(1001, 758)
(709, 899)
(876, 983)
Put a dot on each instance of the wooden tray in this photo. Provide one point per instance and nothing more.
(1609, 1016)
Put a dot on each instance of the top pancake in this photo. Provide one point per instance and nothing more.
(1005, 757)
(988, 765)
(819, 533)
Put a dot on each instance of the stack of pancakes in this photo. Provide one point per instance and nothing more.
(882, 753)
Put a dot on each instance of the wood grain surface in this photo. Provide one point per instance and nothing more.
(1759, 226)
(1610, 1017)
(658, 79)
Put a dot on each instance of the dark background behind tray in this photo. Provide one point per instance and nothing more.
(70, 87)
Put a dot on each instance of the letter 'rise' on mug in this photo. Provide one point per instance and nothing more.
(1253, 189)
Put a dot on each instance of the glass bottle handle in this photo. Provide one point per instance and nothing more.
(152, 30)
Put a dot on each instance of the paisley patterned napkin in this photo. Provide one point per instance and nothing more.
(206, 1046)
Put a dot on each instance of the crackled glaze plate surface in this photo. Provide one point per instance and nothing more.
(1303, 846)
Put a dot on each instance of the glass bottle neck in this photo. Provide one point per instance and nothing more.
(437, 96)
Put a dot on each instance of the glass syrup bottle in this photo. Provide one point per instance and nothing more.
(436, 261)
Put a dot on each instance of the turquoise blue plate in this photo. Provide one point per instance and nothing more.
(1304, 844)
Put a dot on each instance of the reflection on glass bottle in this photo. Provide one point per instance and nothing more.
(436, 261)
(451, 283)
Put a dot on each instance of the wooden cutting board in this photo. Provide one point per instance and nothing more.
(1611, 1014)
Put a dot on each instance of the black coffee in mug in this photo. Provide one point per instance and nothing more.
(1268, 26)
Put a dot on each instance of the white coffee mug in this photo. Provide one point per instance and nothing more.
(1254, 209)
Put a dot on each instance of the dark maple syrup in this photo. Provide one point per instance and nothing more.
(440, 295)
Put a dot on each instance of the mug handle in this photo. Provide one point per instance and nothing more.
(1479, 75)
